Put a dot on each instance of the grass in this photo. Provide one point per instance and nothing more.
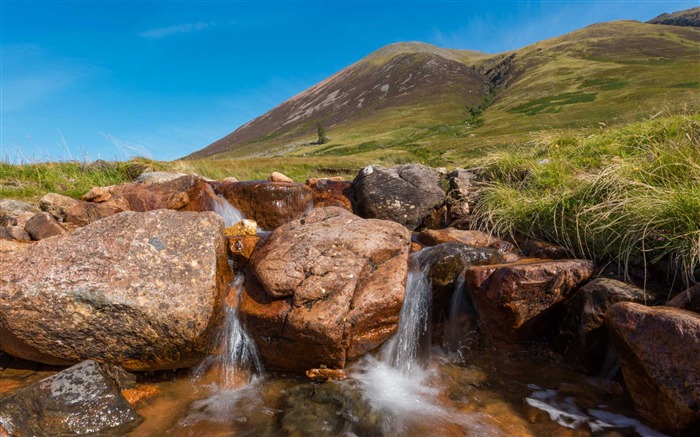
(629, 195)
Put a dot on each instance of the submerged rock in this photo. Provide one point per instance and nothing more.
(80, 400)
(332, 285)
(513, 300)
(141, 290)
(582, 338)
(659, 352)
(270, 204)
(407, 194)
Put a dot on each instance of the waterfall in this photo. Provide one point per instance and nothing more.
(228, 212)
(460, 321)
(238, 359)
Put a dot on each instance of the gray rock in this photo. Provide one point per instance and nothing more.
(80, 400)
(157, 177)
(14, 233)
(406, 194)
(13, 208)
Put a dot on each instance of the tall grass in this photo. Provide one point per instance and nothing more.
(629, 195)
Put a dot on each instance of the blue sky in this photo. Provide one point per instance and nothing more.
(111, 80)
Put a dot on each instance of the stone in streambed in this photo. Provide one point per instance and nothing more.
(659, 352)
(331, 192)
(80, 400)
(44, 225)
(687, 300)
(242, 228)
(328, 287)
(141, 290)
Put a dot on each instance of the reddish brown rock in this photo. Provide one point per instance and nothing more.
(67, 209)
(186, 193)
(432, 237)
(687, 300)
(270, 204)
(541, 249)
(141, 290)
(12, 245)
(513, 300)
(659, 353)
(331, 192)
(97, 195)
(135, 396)
(242, 228)
(43, 225)
(323, 375)
(241, 247)
(331, 288)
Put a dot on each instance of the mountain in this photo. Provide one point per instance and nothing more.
(690, 17)
(417, 100)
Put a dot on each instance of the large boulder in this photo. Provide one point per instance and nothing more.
(659, 353)
(407, 194)
(186, 193)
(80, 400)
(328, 287)
(514, 300)
(141, 290)
(270, 204)
(582, 337)
(69, 210)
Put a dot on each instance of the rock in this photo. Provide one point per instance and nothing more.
(687, 300)
(157, 177)
(331, 287)
(241, 248)
(541, 249)
(462, 185)
(14, 233)
(582, 338)
(7, 220)
(331, 192)
(24, 217)
(13, 208)
(230, 180)
(406, 194)
(323, 375)
(242, 228)
(431, 237)
(270, 204)
(80, 400)
(659, 353)
(279, 177)
(513, 300)
(67, 209)
(439, 218)
(135, 396)
(141, 290)
(12, 245)
(185, 193)
(97, 195)
(43, 225)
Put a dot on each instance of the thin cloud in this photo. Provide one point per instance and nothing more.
(177, 29)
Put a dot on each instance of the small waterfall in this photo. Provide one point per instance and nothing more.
(238, 360)
(228, 212)
(460, 321)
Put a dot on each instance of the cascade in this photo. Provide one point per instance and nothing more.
(228, 212)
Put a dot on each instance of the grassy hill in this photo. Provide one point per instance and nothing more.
(417, 102)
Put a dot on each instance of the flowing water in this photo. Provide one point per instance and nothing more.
(228, 212)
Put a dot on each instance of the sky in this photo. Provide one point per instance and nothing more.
(92, 80)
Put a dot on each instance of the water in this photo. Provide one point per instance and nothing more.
(228, 212)
(460, 323)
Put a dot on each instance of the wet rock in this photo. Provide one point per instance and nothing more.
(541, 249)
(157, 177)
(141, 290)
(14, 233)
(332, 285)
(80, 400)
(279, 177)
(12, 245)
(242, 228)
(406, 194)
(44, 225)
(514, 300)
(185, 193)
(270, 204)
(67, 209)
(431, 237)
(659, 352)
(582, 337)
(135, 396)
(331, 192)
(687, 300)
(439, 218)
(241, 248)
(11, 208)
(323, 375)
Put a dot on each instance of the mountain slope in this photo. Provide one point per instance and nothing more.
(690, 17)
(417, 100)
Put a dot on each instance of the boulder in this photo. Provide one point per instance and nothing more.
(14, 208)
(276, 176)
(141, 290)
(659, 353)
(406, 194)
(514, 300)
(80, 400)
(462, 186)
(687, 300)
(242, 228)
(582, 338)
(67, 209)
(241, 248)
(431, 237)
(185, 193)
(14, 233)
(541, 249)
(157, 177)
(331, 192)
(97, 195)
(328, 287)
(270, 204)
(44, 225)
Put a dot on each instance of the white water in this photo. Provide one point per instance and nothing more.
(228, 212)
(458, 326)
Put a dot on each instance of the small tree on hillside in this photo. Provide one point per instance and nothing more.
(322, 138)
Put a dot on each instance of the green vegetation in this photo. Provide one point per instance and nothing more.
(629, 195)
(553, 103)
(605, 84)
(321, 132)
